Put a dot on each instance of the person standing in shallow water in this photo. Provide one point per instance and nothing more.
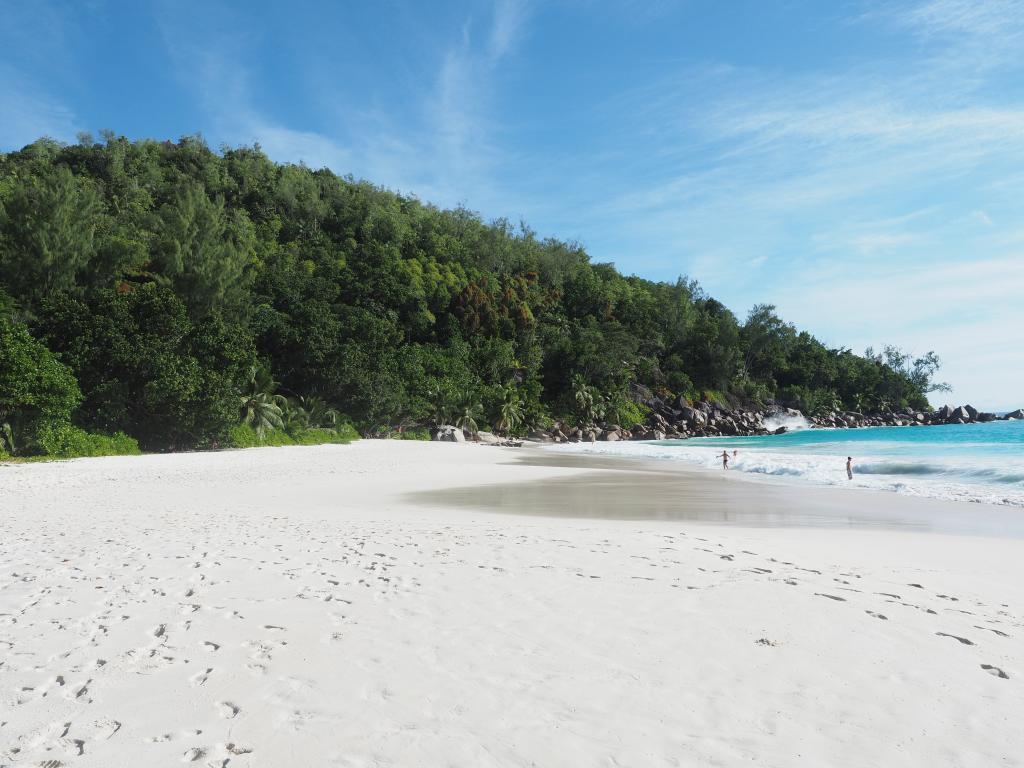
(849, 468)
(725, 459)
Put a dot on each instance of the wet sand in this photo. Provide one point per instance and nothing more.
(613, 488)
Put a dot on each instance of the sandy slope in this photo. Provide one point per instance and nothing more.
(286, 607)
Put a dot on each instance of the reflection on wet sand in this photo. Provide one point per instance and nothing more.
(628, 489)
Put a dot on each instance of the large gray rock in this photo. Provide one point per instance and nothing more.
(960, 415)
(610, 436)
(1018, 414)
(448, 434)
(944, 412)
(971, 411)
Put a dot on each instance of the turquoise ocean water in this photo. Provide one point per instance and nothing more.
(963, 462)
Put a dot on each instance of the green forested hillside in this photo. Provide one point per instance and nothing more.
(168, 292)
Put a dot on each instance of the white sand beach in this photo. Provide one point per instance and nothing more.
(357, 606)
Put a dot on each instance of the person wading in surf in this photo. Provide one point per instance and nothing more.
(725, 459)
(849, 468)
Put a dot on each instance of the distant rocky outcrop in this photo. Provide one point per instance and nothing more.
(679, 418)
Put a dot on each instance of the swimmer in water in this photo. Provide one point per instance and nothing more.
(849, 468)
(725, 459)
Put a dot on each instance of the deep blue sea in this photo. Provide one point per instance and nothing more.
(962, 462)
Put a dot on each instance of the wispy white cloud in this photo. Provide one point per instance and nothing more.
(510, 17)
(460, 137)
(444, 146)
(982, 218)
(991, 22)
(35, 37)
(28, 113)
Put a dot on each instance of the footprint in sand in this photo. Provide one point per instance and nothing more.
(995, 671)
(228, 710)
(963, 640)
(989, 629)
(877, 615)
(102, 730)
(831, 597)
(200, 678)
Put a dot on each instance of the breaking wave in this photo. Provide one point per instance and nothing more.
(907, 460)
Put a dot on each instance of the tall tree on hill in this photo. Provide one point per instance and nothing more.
(48, 229)
(204, 251)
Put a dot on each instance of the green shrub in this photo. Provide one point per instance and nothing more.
(67, 442)
(416, 433)
(630, 414)
(244, 436)
(714, 396)
(345, 432)
(341, 435)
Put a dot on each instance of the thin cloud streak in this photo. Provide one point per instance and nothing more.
(29, 114)
(447, 153)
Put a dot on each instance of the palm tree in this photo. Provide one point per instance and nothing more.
(260, 406)
(293, 416)
(469, 412)
(584, 397)
(441, 408)
(511, 410)
(318, 413)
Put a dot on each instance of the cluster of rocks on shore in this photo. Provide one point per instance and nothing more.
(682, 420)
(679, 419)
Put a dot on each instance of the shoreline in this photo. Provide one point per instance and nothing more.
(298, 606)
(621, 488)
(987, 471)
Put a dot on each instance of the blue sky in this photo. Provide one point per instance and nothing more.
(859, 164)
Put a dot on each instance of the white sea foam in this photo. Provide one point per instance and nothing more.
(935, 478)
(791, 422)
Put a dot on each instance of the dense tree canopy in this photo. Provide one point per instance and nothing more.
(158, 275)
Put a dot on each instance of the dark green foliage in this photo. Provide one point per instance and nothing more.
(48, 225)
(146, 369)
(160, 272)
(37, 391)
